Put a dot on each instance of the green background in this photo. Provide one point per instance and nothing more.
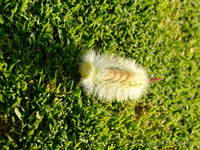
(42, 105)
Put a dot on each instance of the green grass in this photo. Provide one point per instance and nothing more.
(42, 105)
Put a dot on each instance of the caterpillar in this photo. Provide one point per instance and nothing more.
(112, 78)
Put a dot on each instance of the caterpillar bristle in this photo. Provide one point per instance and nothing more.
(111, 77)
(155, 79)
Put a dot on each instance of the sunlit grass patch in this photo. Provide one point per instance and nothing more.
(42, 105)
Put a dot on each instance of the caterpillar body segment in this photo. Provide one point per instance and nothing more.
(118, 75)
(112, 78)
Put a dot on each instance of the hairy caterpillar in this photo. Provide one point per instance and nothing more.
(112, 77)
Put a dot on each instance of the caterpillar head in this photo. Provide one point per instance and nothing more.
(86, 69)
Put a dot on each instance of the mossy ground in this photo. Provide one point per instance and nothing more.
(42, 105)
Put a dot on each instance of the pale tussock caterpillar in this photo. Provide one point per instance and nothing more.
(112, 77)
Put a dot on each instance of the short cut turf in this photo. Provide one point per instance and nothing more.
(42, 105)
